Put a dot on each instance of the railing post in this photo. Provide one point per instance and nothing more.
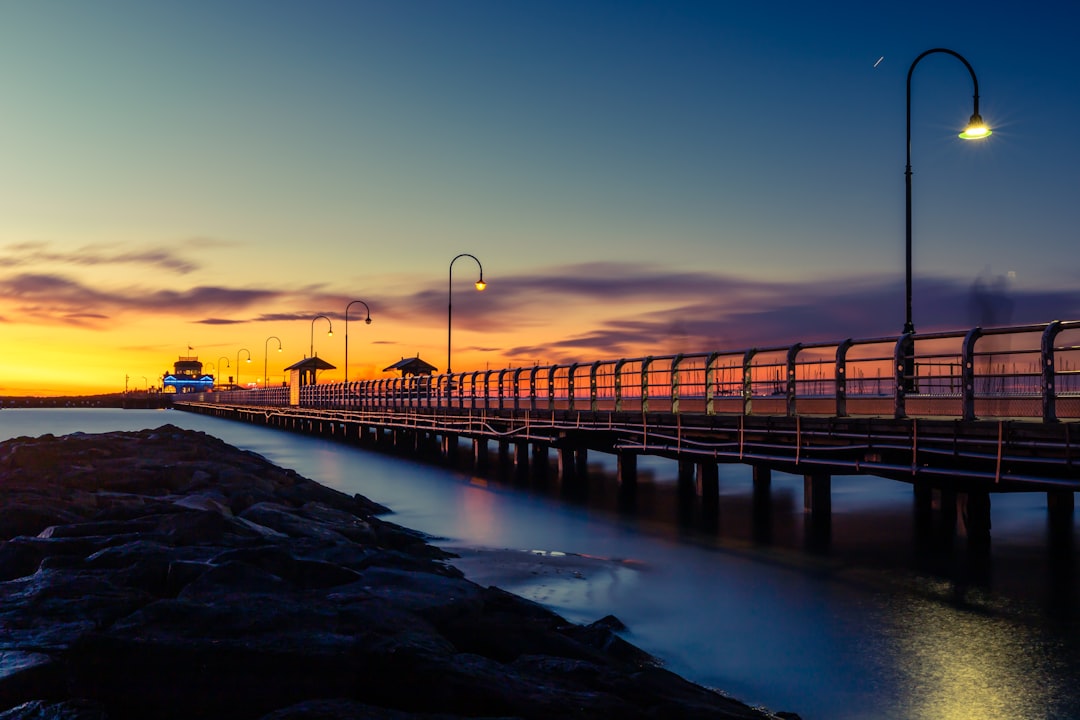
(594, 402)
(710, 383)
(840, 379)
(1049, 373)
(502, 390)
(675, 383)
(551, 387)
(532, 387)
(967, 373)
(570, 386)
(748, 381)
(645, 383)
(791, 390)
(517, 387)
(618, 385)
(902, 357)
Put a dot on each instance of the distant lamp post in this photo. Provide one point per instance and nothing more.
(238, 363)
(219, 364)
(976, 130)
(146, 384)
(480, 285)
(329, 333)
(266, 378)
(367, 321)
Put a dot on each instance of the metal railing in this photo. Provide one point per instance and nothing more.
(1026, 371)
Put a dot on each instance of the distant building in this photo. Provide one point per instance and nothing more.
(187, 376)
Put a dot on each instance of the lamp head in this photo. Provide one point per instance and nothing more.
(976, 129)
(480, 284)
(367, 321)
(329, 333)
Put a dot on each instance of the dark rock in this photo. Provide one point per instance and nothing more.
(170, 575)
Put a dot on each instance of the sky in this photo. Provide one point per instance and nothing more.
(635, 178)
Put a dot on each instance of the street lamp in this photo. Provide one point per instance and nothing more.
(480, 285)
(329, 333)
(266, 378)
(219, 363)
(367, 320)
(238, 363)
(976, 130)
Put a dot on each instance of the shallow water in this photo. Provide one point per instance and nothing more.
(867, 625)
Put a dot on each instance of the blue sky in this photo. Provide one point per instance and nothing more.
(634, 176)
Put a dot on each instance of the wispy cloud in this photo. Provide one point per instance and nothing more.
(39, 253)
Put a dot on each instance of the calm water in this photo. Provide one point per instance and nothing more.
(869, 626)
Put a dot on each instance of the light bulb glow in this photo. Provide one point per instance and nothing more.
(976, 129)
(480, 284)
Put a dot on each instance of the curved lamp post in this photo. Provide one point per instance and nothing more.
(976, 130)
(329, 333)
(480, 285)
(266, 378)
(219, 364)
(238, 363)
(367, 321)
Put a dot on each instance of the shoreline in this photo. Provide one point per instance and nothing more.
(165, 573)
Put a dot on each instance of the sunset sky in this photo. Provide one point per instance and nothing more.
(636, 178)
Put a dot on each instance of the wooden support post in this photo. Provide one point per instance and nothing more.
(521, 457)
(480, 455)
(817, 493)
(627, 468)
(450, 449)
(539, 459)
(975, 514)
(817, 502)
(505, 463)
(567, 466)
(687, 481)
(581, 463)
(762, 504)
(1060, 505)
(708, 482)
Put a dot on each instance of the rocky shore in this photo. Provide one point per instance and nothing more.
(166, 574)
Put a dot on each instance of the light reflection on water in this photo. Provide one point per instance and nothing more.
(870, 626)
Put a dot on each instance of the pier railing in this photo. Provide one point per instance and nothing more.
(1025, 371)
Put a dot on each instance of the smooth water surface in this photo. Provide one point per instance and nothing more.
(869, 625)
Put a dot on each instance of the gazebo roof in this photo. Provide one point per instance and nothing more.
(412, 366)
(311, 363)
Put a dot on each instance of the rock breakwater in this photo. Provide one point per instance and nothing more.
(166, 574)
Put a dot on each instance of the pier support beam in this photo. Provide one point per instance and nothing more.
(1060, 505)
(762, 504)
(975, 515)
(539, 459)
(450, 449)
(627, 468)
(521, 458)
(708, 482)
(480, 455)
(817, 503)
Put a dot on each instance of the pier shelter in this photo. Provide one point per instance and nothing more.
(411, 366)
(304, 373)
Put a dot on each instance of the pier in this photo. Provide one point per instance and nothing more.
(960, 416)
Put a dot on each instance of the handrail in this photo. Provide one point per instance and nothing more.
(1030, 371)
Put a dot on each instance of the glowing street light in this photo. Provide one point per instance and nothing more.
(238, 363)
(266, 378)
(480, 285)
(367, 321)
(329, 333)
(976, 130)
